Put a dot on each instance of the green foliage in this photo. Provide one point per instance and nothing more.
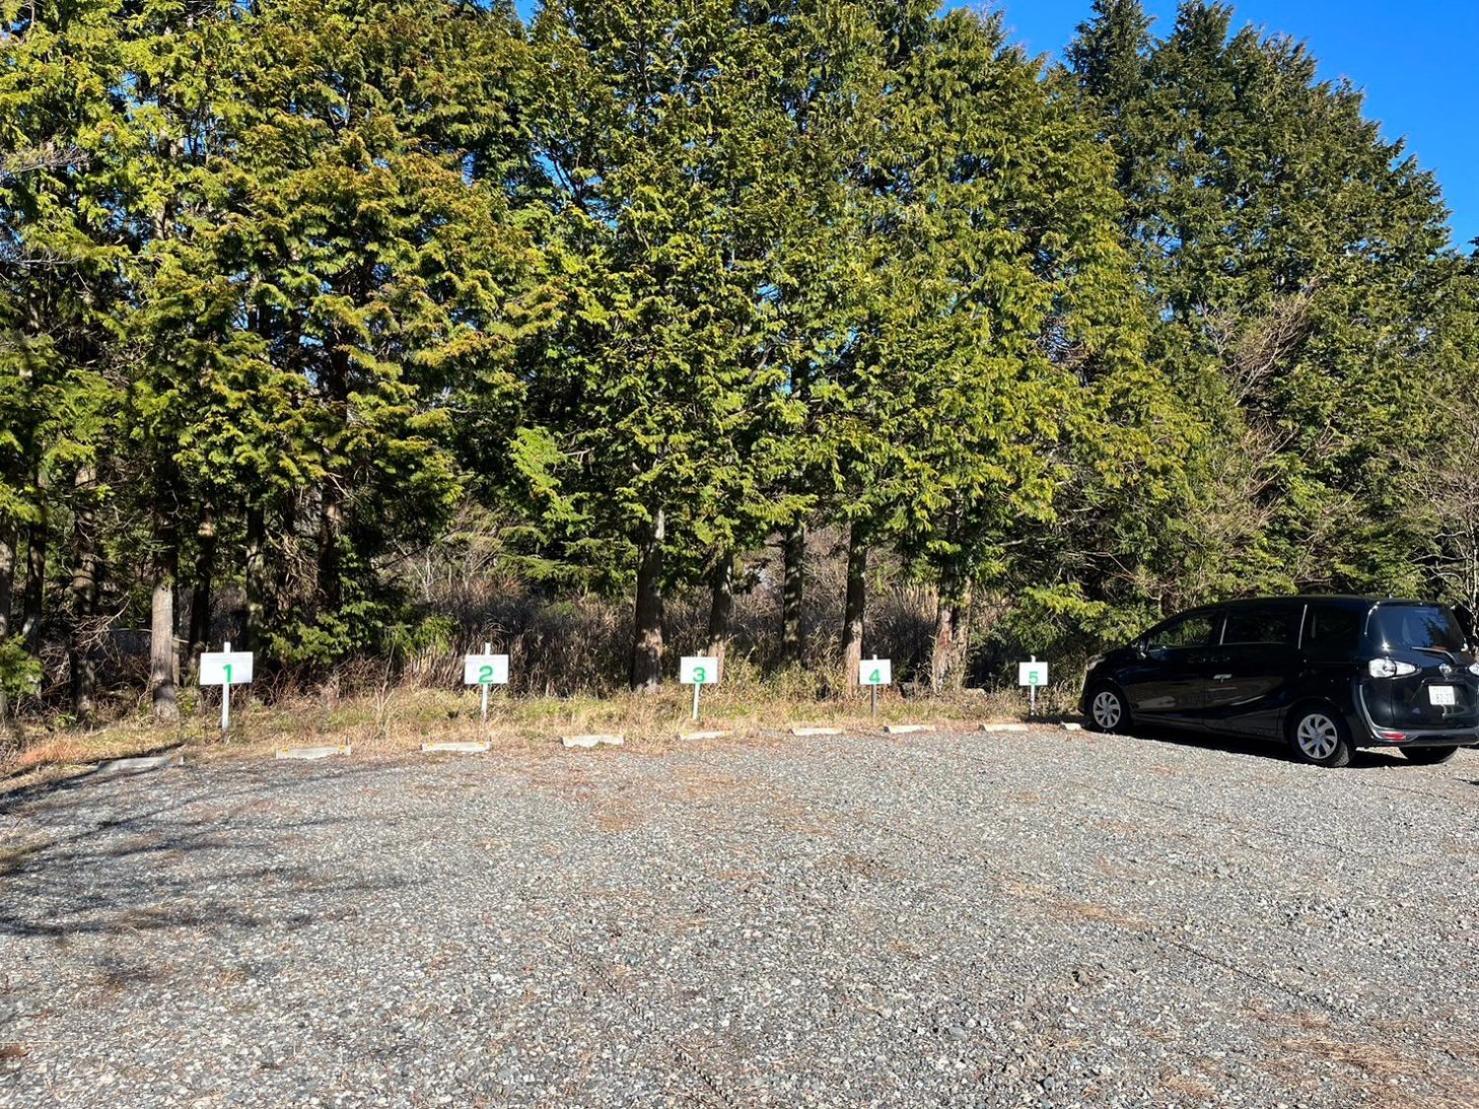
(20, 673)
(1291, 257)
(286, 287)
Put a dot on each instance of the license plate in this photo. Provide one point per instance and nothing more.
(1441, 695)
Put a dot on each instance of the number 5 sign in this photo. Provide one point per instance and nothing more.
(698, 671)
(1032, 674)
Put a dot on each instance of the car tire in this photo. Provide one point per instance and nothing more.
(1428, 756)
(1319, 736)
(1107, 710)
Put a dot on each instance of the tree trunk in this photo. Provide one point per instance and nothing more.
(961, 639)
(646, 670)
(793, 595)
(7, 577)
(950, 635)
(33, 607)
(84, 597)
(256, 578)
(720, 610)
(330, 529)
(162, 634)
(7, 586)
(200, 587)
(854, 605)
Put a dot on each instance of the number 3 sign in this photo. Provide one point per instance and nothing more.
(698, 671)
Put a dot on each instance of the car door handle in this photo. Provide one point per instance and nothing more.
(1221, 677)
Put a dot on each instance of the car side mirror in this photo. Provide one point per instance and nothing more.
(1141, 651)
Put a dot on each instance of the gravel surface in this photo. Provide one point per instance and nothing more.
(942, 919)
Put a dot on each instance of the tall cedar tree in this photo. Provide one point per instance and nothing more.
(1292, 257)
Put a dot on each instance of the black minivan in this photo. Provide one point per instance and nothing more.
(1323, 674)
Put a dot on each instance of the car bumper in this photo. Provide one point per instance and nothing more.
(1367, 733)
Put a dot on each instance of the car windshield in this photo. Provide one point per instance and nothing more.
(1418, 628)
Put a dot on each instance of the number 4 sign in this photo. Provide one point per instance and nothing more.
(874, 672)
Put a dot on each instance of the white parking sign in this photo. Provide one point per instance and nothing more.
(485, 670)
(876, 671)
(226, 668)
(1032, 673)
(698, 670)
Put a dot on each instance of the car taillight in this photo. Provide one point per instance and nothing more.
(1389, 668)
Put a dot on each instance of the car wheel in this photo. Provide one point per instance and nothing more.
(1318, 736)
(1107, 711)
(1429, 756)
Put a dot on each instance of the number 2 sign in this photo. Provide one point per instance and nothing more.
(485, 670)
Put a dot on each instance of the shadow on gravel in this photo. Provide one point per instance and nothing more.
(175, 853)
(1363, 759)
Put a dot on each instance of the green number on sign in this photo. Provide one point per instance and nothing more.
(700, 675)
(227, 668)
(875, 678)
(485, 675)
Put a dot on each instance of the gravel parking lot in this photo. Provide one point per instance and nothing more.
(1044, 918)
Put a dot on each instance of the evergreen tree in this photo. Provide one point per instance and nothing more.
(1289, 253)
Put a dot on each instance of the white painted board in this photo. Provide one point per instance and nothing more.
(485, 670)
(1032, 673)
(698, 670)
(226, 668)
(876, 671)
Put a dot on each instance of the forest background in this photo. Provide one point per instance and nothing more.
(362, 332)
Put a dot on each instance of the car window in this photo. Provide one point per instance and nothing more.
(1418, 627)
(1274, 626)
(1189, 631)
(1331, 631)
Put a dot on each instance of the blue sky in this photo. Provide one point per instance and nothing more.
(1414, 60)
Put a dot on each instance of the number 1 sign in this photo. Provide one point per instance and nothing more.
(225, 669)
(484, 670)
(698, 671)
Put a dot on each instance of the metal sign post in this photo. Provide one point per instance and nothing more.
(487, 650)
(226, 696)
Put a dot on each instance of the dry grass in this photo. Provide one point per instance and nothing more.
(396, 720)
